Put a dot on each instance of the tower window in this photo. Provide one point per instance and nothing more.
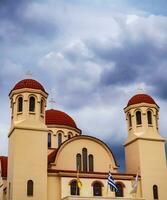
(20, 104)
(49, 140)
(59, 139)
(119, 193)
(97, 189)
(138, 118)
(130, 120)
(30, 188)
(149, 117)
(74, 189)
(155, 192)
(32, 104)
(84, 157)
(78, 161)
(91, 163)
(42, 106)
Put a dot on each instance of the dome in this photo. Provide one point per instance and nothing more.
(28, 83)
(141, 98)
(56, 117)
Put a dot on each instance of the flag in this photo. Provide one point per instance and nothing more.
(111, 182)
(79, 183)
(135, 184)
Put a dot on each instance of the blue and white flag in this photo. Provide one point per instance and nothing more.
(111, 182)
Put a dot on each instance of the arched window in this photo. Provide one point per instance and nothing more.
(69, 136)
(32, 104)
(149, 117)
(91, 164)
(30, 188)
(78, 161)
(120, 192)
(130, 120)
(42, 106)
(138, 117)
(20, 104)
(155, 192)
(84, 157)
(73, 188)
(59, 139)
(49, 140)
(97, 189)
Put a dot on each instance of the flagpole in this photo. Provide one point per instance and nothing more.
(107, 180)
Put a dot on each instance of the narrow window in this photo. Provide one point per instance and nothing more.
(59, 139)
(155, 192)
(74, 189)
(29, 188)
(91, 163)
(149, 117)
(69, 136)
(97, 189)
(84, 157)
(119, 193)
(138, 117)
(20, 104)
(42, 106)
(78, 161)
(49, 140)
(130, 120)
(32, 104)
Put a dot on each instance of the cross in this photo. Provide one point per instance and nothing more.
(52, 102)
(29, 74)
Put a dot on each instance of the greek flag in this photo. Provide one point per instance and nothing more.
(111, 182)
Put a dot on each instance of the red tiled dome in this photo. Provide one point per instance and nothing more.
(57, 117)
(141, 98)
(28, 83)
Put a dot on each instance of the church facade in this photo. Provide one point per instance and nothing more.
(48, 155)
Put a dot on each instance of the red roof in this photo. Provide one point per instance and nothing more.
(52, 156)
(56, 117)
(4, 165)
(141, 98)
(28, 83)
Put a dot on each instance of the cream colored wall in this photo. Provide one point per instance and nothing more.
(87, 188)
(64, 130)
(66, 156)
(153, 168)
(132, 161)
(29, 162)
(54, 188)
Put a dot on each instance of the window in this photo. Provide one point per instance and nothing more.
(119, 193)
(138, 117)
(84, 157)
(59, 139)
(42, 106)
(130, 120)
(49, 140)
(32, 104)
(73, 188)
(20, 104)
(29, 188)
(78, 161)
(97, 189)
(91, 163)
(69, 136)
(155, 192)
(149, 117)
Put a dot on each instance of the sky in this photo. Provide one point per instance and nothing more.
(91, 57)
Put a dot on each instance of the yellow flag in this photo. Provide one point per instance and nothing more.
(79, 183)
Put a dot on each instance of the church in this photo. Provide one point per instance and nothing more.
(48, 155)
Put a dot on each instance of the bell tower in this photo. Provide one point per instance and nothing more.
(144, 147)
(27, 168)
